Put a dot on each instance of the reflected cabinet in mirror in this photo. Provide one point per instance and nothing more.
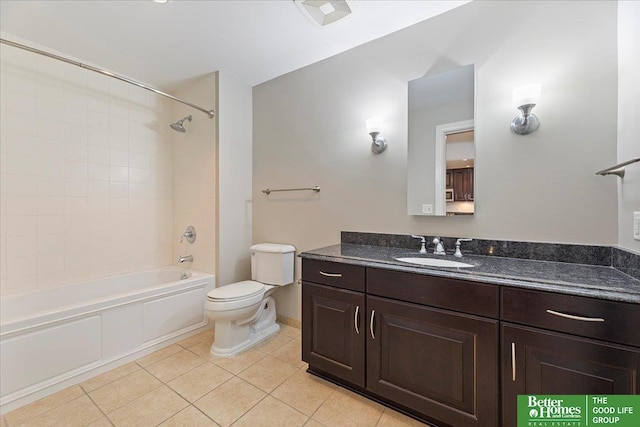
(441, 148)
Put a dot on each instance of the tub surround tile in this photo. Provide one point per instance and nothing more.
(41, 406)
(150, 409)
(230, 401)
(189, 417)
(199, 381)
(304, 392)
(109, 377)
(78, 412)
(268, 373)
(271, 412)
(123, 391)
(175, 365)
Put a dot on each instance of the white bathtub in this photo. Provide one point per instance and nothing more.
(53, 336)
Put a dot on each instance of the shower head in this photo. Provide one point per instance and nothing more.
(179, 124)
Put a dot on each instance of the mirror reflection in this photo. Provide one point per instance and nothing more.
(441, 151)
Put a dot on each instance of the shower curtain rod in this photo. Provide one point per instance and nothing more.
(210, 113)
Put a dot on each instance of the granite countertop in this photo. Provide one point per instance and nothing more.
(574, 279)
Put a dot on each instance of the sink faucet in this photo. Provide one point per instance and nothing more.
(458, 253)
(439, 249)
(423, 249)
(186, 258)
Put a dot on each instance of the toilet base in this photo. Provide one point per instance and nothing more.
(232, 338)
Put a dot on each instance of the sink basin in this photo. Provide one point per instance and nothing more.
(434, 262)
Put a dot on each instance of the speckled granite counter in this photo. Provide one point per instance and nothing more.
(574, 279)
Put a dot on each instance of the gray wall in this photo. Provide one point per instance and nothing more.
(309, 129)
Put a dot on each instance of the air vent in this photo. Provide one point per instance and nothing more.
(325, 12)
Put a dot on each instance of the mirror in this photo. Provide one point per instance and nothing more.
(441, 151)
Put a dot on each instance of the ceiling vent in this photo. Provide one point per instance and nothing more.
(325, 12)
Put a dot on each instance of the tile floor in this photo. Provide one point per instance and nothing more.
(183, 385)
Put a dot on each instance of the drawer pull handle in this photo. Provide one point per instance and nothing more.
(330, 274)
(513, 361)
(373, 314)
(356, 321)
(572, 317)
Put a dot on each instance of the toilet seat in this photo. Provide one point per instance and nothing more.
(235, 295)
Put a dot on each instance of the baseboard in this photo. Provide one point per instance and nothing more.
(289, 321)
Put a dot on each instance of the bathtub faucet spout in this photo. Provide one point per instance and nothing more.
(186, 258)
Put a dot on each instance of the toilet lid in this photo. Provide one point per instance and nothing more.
(236, 291)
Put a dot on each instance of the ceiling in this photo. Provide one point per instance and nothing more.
(165, 44)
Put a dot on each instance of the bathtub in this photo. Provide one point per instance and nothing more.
(64, 334)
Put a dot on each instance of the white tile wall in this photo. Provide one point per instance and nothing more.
(86, 175)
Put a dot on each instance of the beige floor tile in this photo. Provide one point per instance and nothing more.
(268, 373)
(199, 381)
(150, 409)
(122, 391)
(391, 418)
(312, 423)
(290, 331)
(159, 355)
(202, 349)
(230, 401)
(189, 417)
(271, 412)
(304, 392)
(175, 365)
(43, 405)
(274, 343)
(240, 362)
(291, 353)
(109, 376)
(206, 336)
(78, 412)
(102, 422)
(344, 408)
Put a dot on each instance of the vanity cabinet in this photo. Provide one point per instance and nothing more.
(425, 347)
(333, 319)
(561, 344)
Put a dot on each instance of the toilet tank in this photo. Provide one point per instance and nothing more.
(272, 263)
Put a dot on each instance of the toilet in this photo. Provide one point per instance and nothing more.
(244, 312)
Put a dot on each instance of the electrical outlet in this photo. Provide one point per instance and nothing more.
(636, 225)
(427, 209)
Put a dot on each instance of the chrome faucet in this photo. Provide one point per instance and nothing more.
(458, 253)
(186, 258)
(439, 249)
(423, 249)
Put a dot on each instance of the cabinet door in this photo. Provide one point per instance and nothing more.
(441, 364)
(332, 330)
(449, 180)
(540, 362)
(469, 181)
(459, 185)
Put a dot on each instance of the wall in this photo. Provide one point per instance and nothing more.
(234, 180)
(86, 175)
(309, 129)
(194, 178)
(628, 125)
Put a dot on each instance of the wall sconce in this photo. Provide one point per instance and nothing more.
(374, 126)
(525, 98)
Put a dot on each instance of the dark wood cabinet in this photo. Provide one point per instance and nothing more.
(439, 363)
(565, 344)
(332, 325)
(542, 362)
(462, 183)
(449, 179)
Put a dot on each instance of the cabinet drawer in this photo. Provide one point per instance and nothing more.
(343, 276)
(458, 295)
(588, 317)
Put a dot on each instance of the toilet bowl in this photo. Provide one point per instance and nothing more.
(244, 312)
